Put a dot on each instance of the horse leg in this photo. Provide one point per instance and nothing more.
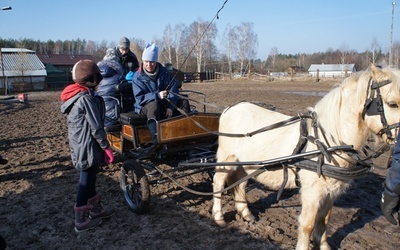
(310, 200)
(239, 196)
(221, 176)
(306, 226)
(314, 216)
(218, 185)
(319, 234)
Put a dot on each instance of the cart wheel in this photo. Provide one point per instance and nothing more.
(135, 186)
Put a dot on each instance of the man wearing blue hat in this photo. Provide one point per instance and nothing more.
(154, 90)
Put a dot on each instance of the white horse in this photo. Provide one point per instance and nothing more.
(344, 117)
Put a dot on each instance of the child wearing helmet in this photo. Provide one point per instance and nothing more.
(87, 140)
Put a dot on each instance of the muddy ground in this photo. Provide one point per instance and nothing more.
(38, 188)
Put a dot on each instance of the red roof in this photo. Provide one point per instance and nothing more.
(62, 60)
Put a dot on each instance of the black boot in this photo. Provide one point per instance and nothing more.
(150, 151)
(152, 124)
(97, 210)
(82, 220)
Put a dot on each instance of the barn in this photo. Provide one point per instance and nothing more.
(59, 68)
(331, 70)
(21, 69)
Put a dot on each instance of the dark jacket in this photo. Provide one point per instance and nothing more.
(392, 181)
(128, 61)
(145, 90)
(85, 117)
(112, 76)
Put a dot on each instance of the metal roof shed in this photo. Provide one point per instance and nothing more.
(20, 65)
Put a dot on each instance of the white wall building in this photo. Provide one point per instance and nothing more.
(331, 70)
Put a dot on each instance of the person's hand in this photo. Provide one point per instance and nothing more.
(163, 94)
(108, 156)
(168, 113)
(389, 205)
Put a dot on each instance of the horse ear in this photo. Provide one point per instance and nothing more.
(377, 74)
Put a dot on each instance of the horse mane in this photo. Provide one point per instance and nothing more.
(345, 98)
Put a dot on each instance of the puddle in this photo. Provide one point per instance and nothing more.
(307, 93)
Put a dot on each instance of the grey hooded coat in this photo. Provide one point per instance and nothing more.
(87, 138)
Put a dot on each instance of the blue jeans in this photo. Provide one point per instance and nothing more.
(87, 186)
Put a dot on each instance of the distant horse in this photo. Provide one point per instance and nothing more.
(363, 105)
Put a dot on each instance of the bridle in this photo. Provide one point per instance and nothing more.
(374, 106)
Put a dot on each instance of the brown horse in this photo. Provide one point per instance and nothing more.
(348, 115)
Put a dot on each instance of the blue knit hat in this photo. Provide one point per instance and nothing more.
(150, 53)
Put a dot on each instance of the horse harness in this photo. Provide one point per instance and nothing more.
(373, 106)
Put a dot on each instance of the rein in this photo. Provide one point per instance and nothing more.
(250, 134)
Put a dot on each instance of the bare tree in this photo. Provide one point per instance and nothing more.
(273, 54)
(229, 43)
(137, 47)
(344, 52)
(396, 54)
(201, 36)
(374, 51)
(168, 43)
(179, 30)
(91, 47)
(247, 44)
(22, 63)
(102, 49)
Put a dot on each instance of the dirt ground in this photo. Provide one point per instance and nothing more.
(38, 188)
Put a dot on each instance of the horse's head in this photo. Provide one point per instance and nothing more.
(382, 105)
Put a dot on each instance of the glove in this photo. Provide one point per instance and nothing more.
(168, 113)
(108, 155)
(163, 94)
(389, 205)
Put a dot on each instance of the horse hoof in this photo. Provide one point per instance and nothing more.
(249, 218)
(220, 223)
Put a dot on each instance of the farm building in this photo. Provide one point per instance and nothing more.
(21, 69)
(331, 70)
(59, 68)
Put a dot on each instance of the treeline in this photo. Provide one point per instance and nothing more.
(193, 49)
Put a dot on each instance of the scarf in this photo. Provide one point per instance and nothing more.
(153, 76)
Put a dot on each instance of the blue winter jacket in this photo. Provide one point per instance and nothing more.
(112, 75)
(392, 181)
(145, 90)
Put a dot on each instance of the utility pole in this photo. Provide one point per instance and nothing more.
(391, 37)
(1, 56)
(2, 72)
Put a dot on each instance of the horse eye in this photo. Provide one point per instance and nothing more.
(392, 105)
